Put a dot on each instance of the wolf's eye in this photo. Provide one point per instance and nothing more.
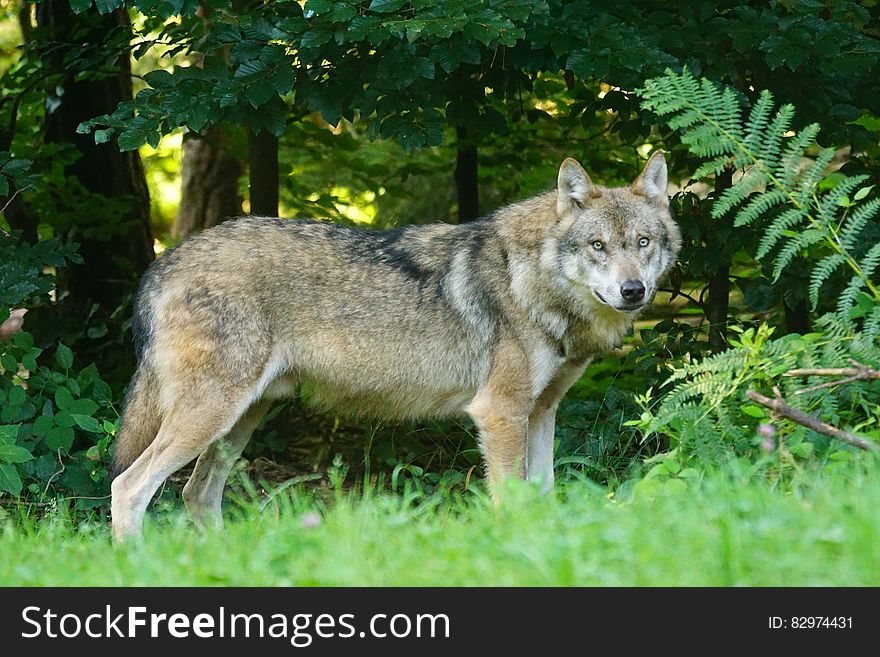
(597, 244)
(643, 242)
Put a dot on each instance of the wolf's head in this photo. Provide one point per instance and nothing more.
(614, 244)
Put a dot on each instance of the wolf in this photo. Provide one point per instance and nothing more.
(493, 319)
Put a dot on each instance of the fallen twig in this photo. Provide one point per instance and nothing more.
(859, 372)
(779, 406)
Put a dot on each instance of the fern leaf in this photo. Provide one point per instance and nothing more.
(759, 204)
(778, 127)
(714, 166)
(794, 246)
(871, 325)
(821, 273)
(869, 263)
(788, 166)
(847, 301)
(811, 176)
(856, 222)
(759, 120)
(785, 221)
(829, 204)
(753, 179)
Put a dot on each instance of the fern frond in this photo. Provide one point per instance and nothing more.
(847, 301)
(759, 119)
(871, 325)
(857, 220)
(821, 273)
(714, 166)
(829, 204)
(759, 204)
(788, 166)
(775, 231)
(780, 125)
(794, 246)
(777, 172)
(810, 177)
(869, 263)
(751, 182)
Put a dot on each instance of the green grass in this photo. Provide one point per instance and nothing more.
(825, 531)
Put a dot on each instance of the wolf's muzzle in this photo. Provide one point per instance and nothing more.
(632, 291)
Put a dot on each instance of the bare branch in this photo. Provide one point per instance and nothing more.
(11, 199)
(859, 372)
(779, 407)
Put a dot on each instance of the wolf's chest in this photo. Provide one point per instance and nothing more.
(598, 335)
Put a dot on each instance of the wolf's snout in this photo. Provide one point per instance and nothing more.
(632, 290)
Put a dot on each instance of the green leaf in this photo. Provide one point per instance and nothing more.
(863, 192)
(106, 6)
(95, 332)
(17, 395)
(109, 427)
(43, 425)
(801, 449)
(9, 479)
(64, 419)
(63, 398)
(315, 37)
(386, 6)
(103, 136)
(8, 433)
(424, 67)
(9, 363)
(259, 93)
(318, 6)
(753, 410)
(159, 79)
(251, 68)
(60, 438)
(130, 140)
(79, 6)
(83, 407)
(342, 12)
(87, 423)
(23, 340)
(64, 356)
(14, 454)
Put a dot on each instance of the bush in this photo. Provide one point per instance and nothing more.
(57, 422)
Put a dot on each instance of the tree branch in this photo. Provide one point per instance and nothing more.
(779, 407)
(859, 372)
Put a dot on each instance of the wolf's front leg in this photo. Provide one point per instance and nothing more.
(503, 428)
(542, 425)
(539, 459)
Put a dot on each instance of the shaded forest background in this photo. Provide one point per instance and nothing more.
(127, 126)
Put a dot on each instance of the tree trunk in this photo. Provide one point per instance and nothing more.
(466, 178)
(718, 303)
(263, 177)
(209, 183)
(115, 254)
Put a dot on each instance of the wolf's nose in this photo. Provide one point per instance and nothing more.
(632, 290)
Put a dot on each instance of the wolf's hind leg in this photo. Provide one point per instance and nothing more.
(187, 430)
(203, 493)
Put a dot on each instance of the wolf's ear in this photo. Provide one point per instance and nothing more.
(574, 187)
(652, 181)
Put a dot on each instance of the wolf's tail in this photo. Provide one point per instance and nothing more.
(140, 421)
